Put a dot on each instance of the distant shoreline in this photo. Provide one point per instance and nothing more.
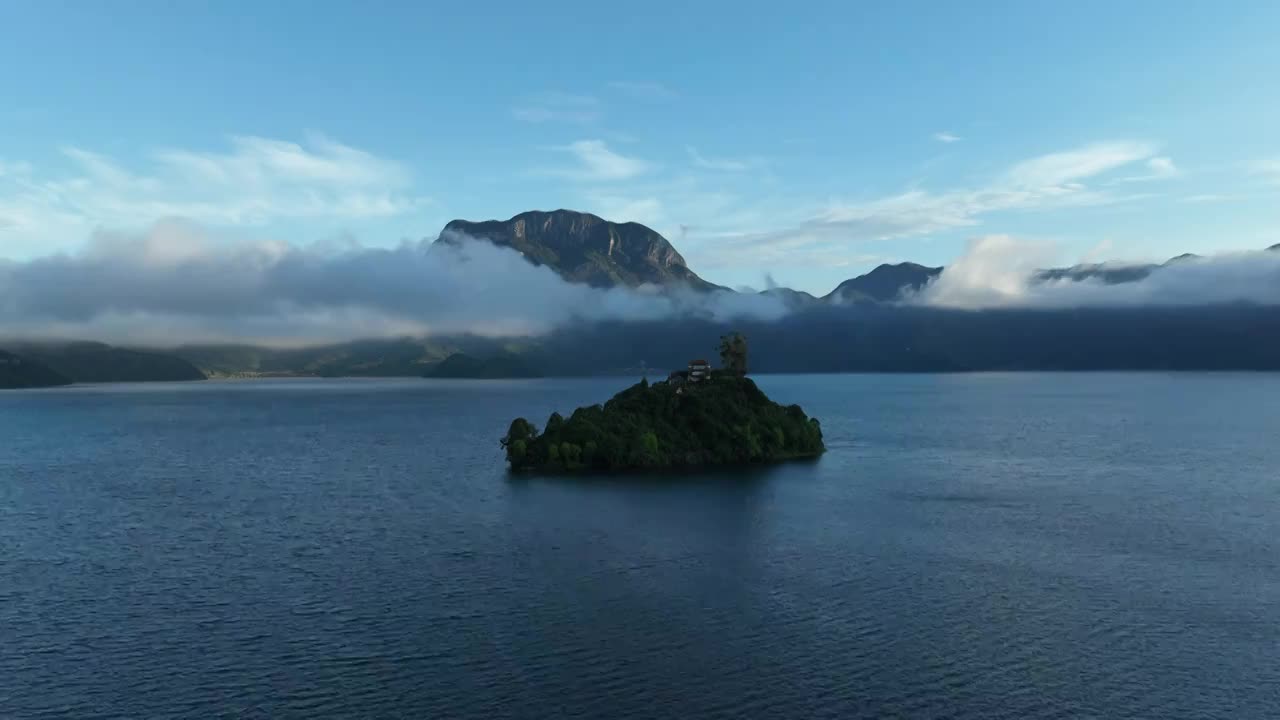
(248, 378)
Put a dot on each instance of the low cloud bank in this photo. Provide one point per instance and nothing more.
(173, 284)
(999, 271)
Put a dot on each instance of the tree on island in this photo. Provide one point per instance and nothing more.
(519, 435)
(733, 353)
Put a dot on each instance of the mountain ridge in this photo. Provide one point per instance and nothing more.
(569, 243)
(95, 362)
(884, 283)
(585, 248)
(20, 372)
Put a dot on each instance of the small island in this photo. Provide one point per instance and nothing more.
(697, 418)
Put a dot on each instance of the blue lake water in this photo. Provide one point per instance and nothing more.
(972, 546)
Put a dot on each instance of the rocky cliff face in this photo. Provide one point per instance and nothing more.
(585, 248)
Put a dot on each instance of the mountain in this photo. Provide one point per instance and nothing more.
(856, 327)
(393, 357)
(21, 372)
(234, 360)
(1111, 273)
(584, 248)
(91, 362)
(887, 282)
(462, 365)
(793, 299)
(1108, 274)
(884, 284)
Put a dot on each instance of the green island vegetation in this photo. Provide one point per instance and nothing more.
(696, 418)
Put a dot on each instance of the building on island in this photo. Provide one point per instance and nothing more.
(699, 370)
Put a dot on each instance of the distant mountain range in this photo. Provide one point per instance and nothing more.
(817, 337)
(584, 248)
(500, 365)
(382, 357)
(92, 362)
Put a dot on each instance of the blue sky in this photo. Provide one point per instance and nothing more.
(809, 141)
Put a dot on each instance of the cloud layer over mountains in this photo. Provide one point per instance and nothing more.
(174, 284)
(999, 271)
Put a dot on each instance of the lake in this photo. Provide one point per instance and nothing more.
(971, 546)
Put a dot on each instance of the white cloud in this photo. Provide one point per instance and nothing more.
(1051, 181)
(644, 89)
(946, 137)
(558, 107)
(1000, 271)
(1100, 252)
(719, 164)
(1163, 167)
(1268, 168)
(1079, 164)
(1207, 198)
(994, 272)
(261, 161)
(647, 210)
(14, 169)
(596, 162)
(1158, 168)
(254, 181)
(173, 284)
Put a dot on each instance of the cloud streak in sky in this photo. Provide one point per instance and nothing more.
(719, 164)
(1052, 181)
(1268, 168)
(1060, 168)
(596, 162)
(558, 107)
(643, 89)
(1157, 168)
(253, 182)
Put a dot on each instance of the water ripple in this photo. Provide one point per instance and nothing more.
(966, 550)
